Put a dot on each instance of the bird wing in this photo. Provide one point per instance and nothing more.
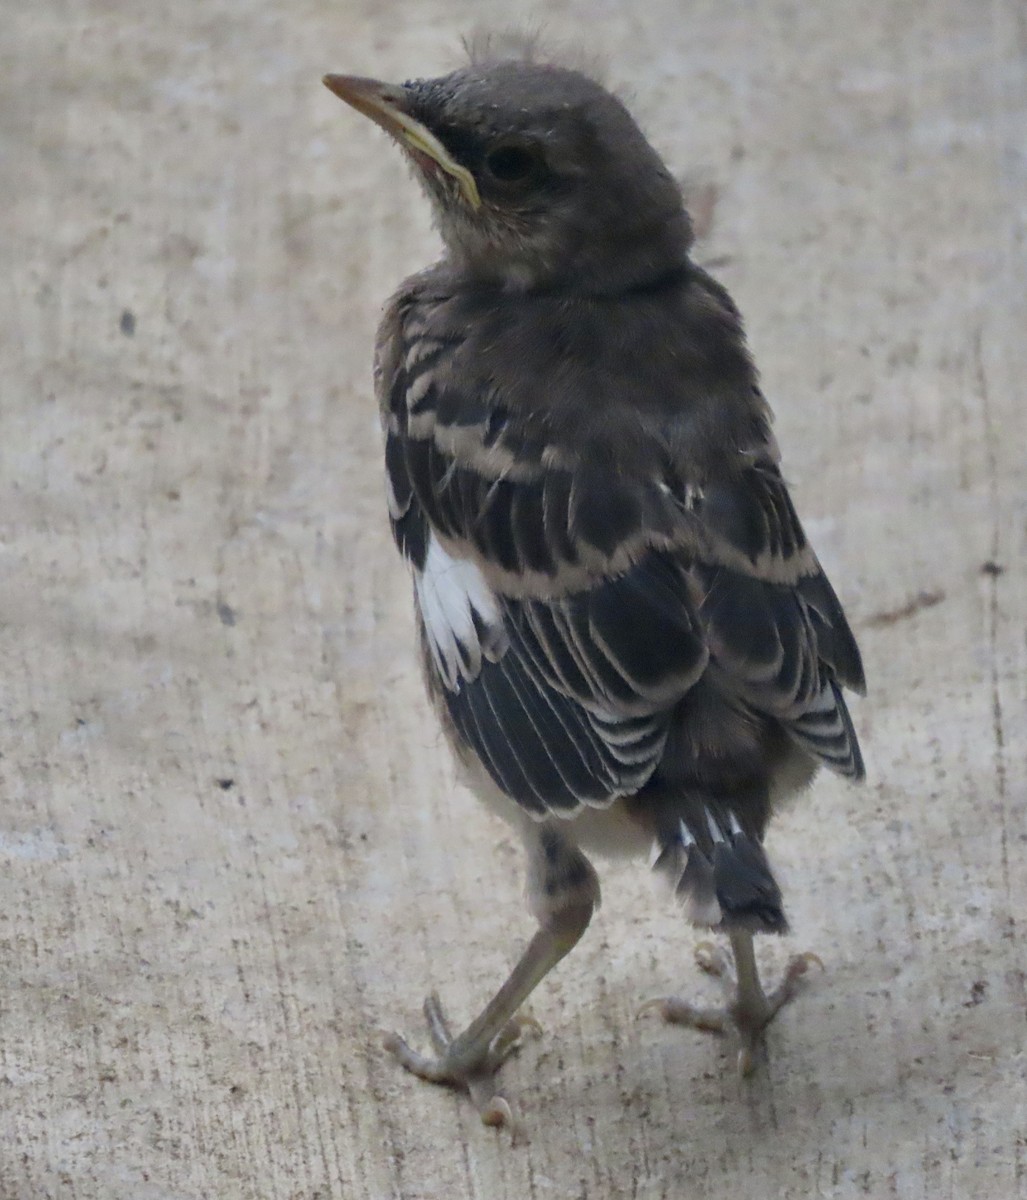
(776, 632)
(567, 606)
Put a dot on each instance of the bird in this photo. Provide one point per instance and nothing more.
(627, 636)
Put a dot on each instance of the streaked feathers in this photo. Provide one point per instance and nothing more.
(583, 559)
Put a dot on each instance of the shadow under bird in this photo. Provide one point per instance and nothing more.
(627, 636)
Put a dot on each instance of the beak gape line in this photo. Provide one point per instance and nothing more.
(384, 103)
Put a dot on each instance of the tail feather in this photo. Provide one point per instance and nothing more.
(722, 876)
(696, 886)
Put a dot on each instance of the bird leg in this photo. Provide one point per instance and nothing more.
(565, 892)
(748, 1009)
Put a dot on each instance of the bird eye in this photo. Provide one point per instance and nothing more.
(514, 163)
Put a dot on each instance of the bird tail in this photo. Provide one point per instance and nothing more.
(721, 874)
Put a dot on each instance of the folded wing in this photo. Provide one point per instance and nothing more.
(567, 607)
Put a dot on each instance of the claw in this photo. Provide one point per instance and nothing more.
(747, 1011)
(476, 1076)
(678, 1012)
(497, 1112)
(510, 1039)
(802, 962)
(647, 1006)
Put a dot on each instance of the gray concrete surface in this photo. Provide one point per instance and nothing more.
(230, 845)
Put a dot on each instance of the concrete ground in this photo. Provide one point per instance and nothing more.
(231, 846)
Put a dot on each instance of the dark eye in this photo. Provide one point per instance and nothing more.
(514, 163)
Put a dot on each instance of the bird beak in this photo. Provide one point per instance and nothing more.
(386, 105)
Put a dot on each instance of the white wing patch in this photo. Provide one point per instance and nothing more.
(461, 617)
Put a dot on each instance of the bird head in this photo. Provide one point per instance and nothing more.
(539, 177)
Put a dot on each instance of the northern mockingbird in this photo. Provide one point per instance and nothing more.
(626, 634)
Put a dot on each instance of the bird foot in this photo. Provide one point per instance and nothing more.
(469, 1065)
(748, 1009)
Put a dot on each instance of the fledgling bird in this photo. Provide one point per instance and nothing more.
(625, 631)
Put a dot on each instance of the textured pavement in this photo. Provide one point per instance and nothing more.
(231, 849)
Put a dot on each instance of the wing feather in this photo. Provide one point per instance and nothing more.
(610, 592)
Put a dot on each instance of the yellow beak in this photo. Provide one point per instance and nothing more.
(386, 105)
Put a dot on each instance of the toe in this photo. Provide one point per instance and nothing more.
(438, 1027)
(792, 981)
(465, 1065)
(712, 959)
(432, 1069)
(679, 1012)
(510, 1039)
